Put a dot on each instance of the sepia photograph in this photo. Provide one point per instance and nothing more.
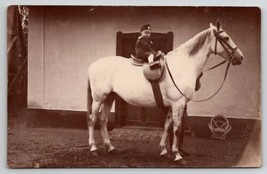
(133, 87)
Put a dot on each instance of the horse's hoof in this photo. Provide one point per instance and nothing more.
(178, 157)
(94, 153)
(181, 162)
(164, 151)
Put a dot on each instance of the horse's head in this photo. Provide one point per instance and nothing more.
(223, 45)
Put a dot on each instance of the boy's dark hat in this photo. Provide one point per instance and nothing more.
(145, 27)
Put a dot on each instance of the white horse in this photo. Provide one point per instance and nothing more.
(116, 74)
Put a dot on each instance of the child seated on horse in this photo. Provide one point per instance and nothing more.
(143, 48)
(144, 51)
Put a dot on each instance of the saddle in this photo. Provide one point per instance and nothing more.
(150, 74)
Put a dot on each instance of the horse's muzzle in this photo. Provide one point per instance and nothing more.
(236, 61)
(237, 57)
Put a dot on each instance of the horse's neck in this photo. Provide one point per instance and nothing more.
(200, 59)
(180, 57)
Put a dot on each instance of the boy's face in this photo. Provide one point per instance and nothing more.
(146, 33)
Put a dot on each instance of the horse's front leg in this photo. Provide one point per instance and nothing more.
(177, 114)
(167, 124)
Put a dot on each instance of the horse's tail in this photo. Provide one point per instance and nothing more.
(89, 98)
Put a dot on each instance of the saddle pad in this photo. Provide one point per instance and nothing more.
(135, 61)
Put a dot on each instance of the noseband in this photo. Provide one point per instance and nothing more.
(225, 45)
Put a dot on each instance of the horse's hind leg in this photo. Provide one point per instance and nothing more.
(92, 118)
(104, 120)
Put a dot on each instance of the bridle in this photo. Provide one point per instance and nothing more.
(226, 47)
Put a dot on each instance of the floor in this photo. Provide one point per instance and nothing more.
(48, 147)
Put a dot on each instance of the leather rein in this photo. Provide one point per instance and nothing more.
(226, 47)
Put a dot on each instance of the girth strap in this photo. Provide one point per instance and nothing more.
(158, 96)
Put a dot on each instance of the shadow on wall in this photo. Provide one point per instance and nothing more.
(59, 118)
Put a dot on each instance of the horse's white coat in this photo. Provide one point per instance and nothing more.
(117, 74)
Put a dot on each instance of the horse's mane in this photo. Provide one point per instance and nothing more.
(196, 43)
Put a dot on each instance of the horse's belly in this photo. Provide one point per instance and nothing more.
(138, 100)
(133, 88)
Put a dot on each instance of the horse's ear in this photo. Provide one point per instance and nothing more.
(218, 24)
(212, 29)
(211, 25)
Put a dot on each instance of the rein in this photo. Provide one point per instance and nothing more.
(202, 100)
(223, 43)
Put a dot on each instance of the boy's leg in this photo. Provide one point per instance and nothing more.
(152, 63)
(151, 58)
